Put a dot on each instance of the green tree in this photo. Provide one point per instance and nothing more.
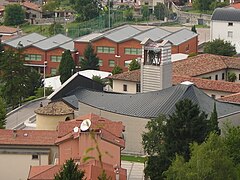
(134, 65)
(213, 121)
(220, 47)
(69, 171)
(13, 15)
(51, 6)
(202, 5)
(145, 12)
(160, 11)
(66, 66)
(194, 29)
(117, 70)
(39, 91)
(98, 79)
(56, 28)
(209, 160)
(231, 77)
(86, 9)
(90, 61)
(128, 14)
(2, 114)
(15, 77)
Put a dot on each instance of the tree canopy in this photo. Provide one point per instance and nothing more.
(13, 15)
(220, 47)
(161, 11)
(66, 66)
(90, 60)
(2, 114)
(117, 70)
(69, 171)
(134, 65)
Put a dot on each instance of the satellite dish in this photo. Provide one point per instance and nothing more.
(85, 125)
(75, 129)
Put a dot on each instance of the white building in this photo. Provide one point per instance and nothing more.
(225, 24)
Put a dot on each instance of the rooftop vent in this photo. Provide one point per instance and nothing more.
(187, 83)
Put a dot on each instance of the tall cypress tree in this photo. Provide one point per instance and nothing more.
(66, 67)
(213, 121)
(2, 114)
(90, 61)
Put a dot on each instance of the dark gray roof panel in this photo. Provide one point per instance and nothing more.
(72, 101)
(151, 104)
(226, 14)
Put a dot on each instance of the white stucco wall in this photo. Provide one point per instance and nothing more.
(118, 86)
(219, 29)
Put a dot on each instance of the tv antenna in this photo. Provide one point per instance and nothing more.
(85, 125)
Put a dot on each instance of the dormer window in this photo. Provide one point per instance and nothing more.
(230, 24)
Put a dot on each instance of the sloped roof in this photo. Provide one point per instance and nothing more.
(128, 76)
(180, 36)
(32, 6)
(151, 104)
(154, 34)
(203, 64)
(88, 38)
(7, 29)
(27, 137)
(226, 14)
(52, 42)
(232, 98)
(68, 46)
(26, 40)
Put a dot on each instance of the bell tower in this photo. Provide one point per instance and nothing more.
(156, 65)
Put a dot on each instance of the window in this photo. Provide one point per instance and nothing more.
(35, 156)
(230, 24)
(33, 57)
(111, 63)
(223, 76)
(230, 34)
(208, 77)
(100, 62)
(216, 77)
(56, 58)
(105, 49)
(138, 87)
(133, 51)
(53, 71)
(126, 63)
(124, 87)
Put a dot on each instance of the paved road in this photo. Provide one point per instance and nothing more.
(134, 170)
(22, 113)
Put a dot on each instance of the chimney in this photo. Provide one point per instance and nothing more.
(156, 65)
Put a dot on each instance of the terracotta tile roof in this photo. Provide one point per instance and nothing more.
(110, 131)
(236, 6)
(128, 76)
(2, 8)
(32, 6)
(200, 64)
(27, 137)
(55, 108)
(233, 98)
(7, 29)
(207, 84)
(92, 171)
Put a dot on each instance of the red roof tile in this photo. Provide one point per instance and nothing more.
(128, 76)
(224, 86)
(233, 98)
(32, 6)
(236, 6)
(7, 29)
(27, 137)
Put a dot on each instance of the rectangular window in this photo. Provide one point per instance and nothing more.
(111, 63)
(100, 62)
(33, 57)
(223, 76)
(132, 51)
(230, 24)
(138, 87)
(56, 58)
(35, 156)
(216, 77)
(124, 87)
(105, 49)
(230, 34)
(53, 71)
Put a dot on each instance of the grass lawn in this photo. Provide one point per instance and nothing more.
(133, 158)
(41, 29)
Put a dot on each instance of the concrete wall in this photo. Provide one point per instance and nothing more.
(134, 126)
(118, 86)
(220, 29)
(48, 122)
(16, 166)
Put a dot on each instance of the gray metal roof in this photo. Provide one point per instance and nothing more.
(155, 34)
(180, 36)
(25, 40)
(68, 46)
(89, 37)
(226, 14)
(122, 34)
(52, 42)
(151, 104)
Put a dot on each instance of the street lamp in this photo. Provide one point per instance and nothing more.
(44, 77)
